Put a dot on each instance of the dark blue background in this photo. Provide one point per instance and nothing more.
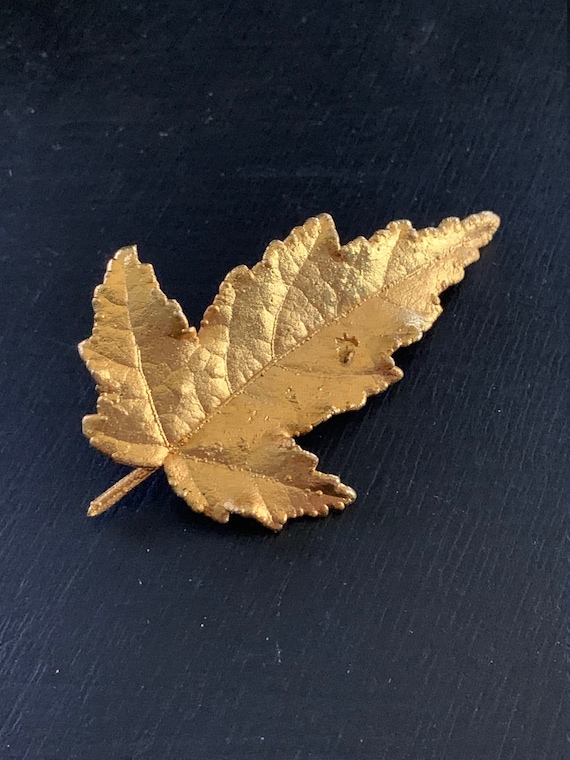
(424, 623)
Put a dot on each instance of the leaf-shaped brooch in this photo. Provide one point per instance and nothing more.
(308, 332)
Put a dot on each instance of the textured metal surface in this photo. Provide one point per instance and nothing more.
(307, 333)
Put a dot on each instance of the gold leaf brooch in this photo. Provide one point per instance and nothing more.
(306, 333)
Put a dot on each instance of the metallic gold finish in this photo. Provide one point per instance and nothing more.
(118, 490)
(308, 332)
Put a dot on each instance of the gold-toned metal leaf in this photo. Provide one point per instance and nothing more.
(308, 332)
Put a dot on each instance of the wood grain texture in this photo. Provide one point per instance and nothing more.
(425, 622)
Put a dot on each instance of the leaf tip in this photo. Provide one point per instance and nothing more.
(128, 254)
(492, 219)
(325, 220)
(483, 225)
(348, 495)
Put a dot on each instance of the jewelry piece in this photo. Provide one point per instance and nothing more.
(308, 332)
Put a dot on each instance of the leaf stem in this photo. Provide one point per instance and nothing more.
(121, 488)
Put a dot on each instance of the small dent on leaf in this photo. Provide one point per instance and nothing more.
(346, 354)
(345, 347)
(290, 395)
